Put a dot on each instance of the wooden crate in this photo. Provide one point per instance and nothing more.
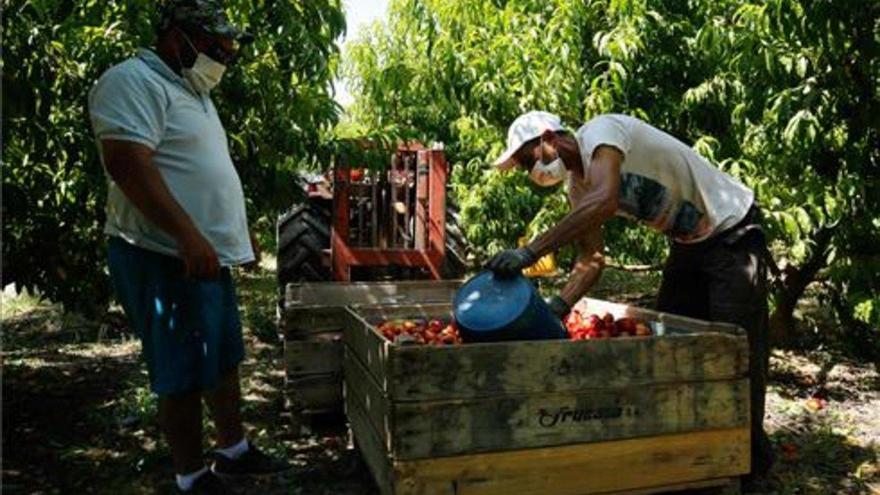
(311, 322)
(560, 417)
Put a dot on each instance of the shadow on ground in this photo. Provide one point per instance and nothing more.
(60, 430)
(819, 461)
(79, 418)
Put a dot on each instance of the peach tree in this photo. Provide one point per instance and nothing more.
(782, 94)
(276, 105)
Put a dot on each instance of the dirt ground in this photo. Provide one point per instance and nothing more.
(78, 416)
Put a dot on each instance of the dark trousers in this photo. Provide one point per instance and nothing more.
(725, 279)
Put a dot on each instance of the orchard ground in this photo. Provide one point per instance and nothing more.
(78, 416)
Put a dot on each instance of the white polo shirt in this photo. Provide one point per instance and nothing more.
(144, 101)
(664, 183)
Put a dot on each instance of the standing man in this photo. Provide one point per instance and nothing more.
(176, 224)
(619, 165)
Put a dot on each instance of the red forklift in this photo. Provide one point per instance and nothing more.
(371, 224)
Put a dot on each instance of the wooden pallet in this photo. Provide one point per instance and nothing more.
(557, 417)
(311, 323)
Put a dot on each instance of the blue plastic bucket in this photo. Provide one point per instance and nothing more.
(490, 309)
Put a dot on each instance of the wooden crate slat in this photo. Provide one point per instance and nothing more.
(322, 305)
(362, 390)
(372, 293)
(309, 357)
(370, 348)
(423, 373)
(369, 443)
(593, 468)
(443, 428)
(415, 373)
(308, 322)
(314, 392)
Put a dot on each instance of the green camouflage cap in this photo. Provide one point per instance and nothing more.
(208, 15)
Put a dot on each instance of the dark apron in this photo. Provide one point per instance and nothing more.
(724, 278)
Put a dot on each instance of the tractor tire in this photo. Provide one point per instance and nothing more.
(455, 262)
(303, 235)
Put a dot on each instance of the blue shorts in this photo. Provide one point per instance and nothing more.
(190, 329)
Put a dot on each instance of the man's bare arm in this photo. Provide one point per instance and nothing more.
(587, 269)
(597, 206)
(131, 167)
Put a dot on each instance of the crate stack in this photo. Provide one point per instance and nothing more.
(311, 323)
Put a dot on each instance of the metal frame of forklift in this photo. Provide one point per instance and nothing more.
(391, 217)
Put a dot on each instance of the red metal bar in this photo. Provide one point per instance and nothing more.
(340, 230)
(344, 256)
(384, 257)
(340, 258)
(422, 216)
(437, 202)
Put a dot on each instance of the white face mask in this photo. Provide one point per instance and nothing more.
(548, 174)
(205, 74)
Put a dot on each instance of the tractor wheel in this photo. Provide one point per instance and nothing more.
(303, 235)
(455, 262)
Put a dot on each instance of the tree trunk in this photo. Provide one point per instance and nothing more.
(792, 287)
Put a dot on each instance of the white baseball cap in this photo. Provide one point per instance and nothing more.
(526, 127)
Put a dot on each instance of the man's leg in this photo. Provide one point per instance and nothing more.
(236, 456)
(223, 336)
(738, 295)
(224, 403)
(147, 285)
(180, 417)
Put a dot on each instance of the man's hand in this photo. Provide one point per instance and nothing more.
(199, 258)
(511, 262)
(559, 307)
(258, 254)
(131, 167)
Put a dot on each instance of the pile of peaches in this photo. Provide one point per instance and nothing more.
(426, 332)
(582, 327)
(436, 332)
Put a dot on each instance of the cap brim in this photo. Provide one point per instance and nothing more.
(238, 35)
(505, 161)
(244, 38)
